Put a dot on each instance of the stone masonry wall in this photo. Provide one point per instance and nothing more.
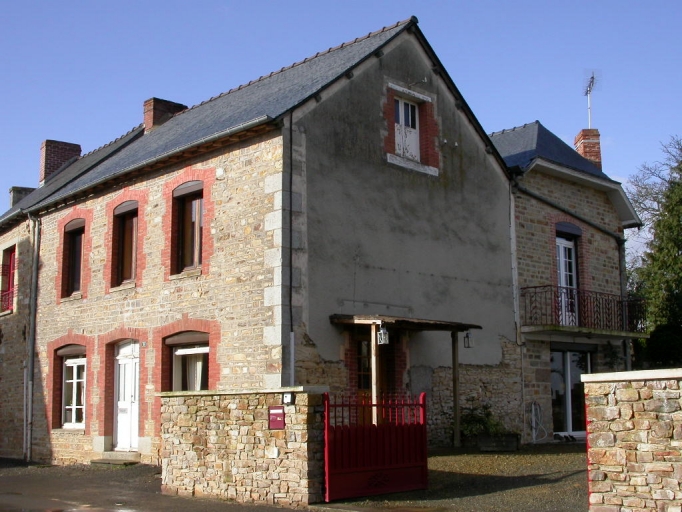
(227, 297)
(14, 332)
(634, 436)
(220, 445)
(598, 258)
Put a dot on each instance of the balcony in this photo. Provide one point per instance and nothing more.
(553, 309)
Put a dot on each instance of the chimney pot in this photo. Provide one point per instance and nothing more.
(158, 111)
(587, 143)
(53, 155)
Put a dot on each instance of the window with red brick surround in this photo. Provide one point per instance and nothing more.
(399, 112)
(125, 233)
(189, 244)
(69, 399)
(7, 287)
(73, 262)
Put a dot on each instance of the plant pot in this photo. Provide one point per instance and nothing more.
(498, 442)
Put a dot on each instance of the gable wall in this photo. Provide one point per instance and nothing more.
(380, 238)
(598, 257)
(228, 299)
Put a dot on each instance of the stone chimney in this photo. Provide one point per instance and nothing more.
(587, 144)
(53, 155)
(16, 194)
(158, 111)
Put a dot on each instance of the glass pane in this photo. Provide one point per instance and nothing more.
(558, 383)
(79, 415)
(413, 117)
(80, 393)
(579, 365)
(128, 228)
(80, 371)
(68, 416)
(68, 394)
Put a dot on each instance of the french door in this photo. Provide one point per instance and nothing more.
(127, 396)
(568, 395)
(567, 281)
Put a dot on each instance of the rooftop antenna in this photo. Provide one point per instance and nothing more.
(588, 92)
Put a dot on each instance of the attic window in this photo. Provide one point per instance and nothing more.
(411, 141)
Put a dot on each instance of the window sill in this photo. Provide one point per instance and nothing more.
(71, 430)
(193, 272)
(411, 164)
(6, 313)
(123, 286)
(75, 296)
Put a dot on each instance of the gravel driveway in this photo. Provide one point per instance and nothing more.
(542, 478)
(547, 478)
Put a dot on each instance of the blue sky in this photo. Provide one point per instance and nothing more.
(79, 71)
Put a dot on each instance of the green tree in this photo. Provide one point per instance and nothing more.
(659, 277)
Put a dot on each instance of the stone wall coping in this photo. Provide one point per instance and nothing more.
(672, 373)
(311, 390)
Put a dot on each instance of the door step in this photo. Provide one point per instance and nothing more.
(118, 458)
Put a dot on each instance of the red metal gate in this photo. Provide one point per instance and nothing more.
(374, 448)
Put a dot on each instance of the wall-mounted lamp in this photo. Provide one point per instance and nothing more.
(288, 398)
(468, 340)
(382, 336)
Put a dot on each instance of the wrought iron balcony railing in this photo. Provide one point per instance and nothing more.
(572, 307)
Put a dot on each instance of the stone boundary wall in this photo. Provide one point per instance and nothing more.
(634, 441)
(219, 444)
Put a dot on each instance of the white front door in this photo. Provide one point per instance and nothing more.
(566, 279)
(127, 391)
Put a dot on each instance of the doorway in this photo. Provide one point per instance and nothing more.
(127, 396)
(568, 395)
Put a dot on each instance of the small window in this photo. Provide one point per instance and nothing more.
(7, 287)
(188, 213)
(190, 351)
(73, 385)
(72, 260)
(406, 129)
(124, 243)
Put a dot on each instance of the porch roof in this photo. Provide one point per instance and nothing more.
(408, 324)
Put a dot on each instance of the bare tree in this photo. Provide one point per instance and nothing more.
(646, 189)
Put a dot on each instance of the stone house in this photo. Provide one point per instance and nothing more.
(268, 238)
(575, 317)
(263, 240)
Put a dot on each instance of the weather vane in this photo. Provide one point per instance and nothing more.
(588, 92)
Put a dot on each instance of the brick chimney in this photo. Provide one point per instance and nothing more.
(53, 155)
(16, 194)
(158, 111)
(587, 144)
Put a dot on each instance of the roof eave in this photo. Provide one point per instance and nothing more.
(208, 143)
(626, 212)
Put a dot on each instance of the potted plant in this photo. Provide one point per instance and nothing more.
(479, 427)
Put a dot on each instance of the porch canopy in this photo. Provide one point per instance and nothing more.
(415, 325)
(399, 322)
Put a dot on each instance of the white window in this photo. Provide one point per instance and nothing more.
(190, 368)
(567, 281)
(406, 129)
(73, 398)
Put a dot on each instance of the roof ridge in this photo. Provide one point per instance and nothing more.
(112, 142)
(411, 19)
(514, 128)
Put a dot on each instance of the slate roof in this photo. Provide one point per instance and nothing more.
(260, 101)
(521, 145)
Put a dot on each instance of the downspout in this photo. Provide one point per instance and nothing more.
(31, 341)
(516, 296)
(292, 337)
